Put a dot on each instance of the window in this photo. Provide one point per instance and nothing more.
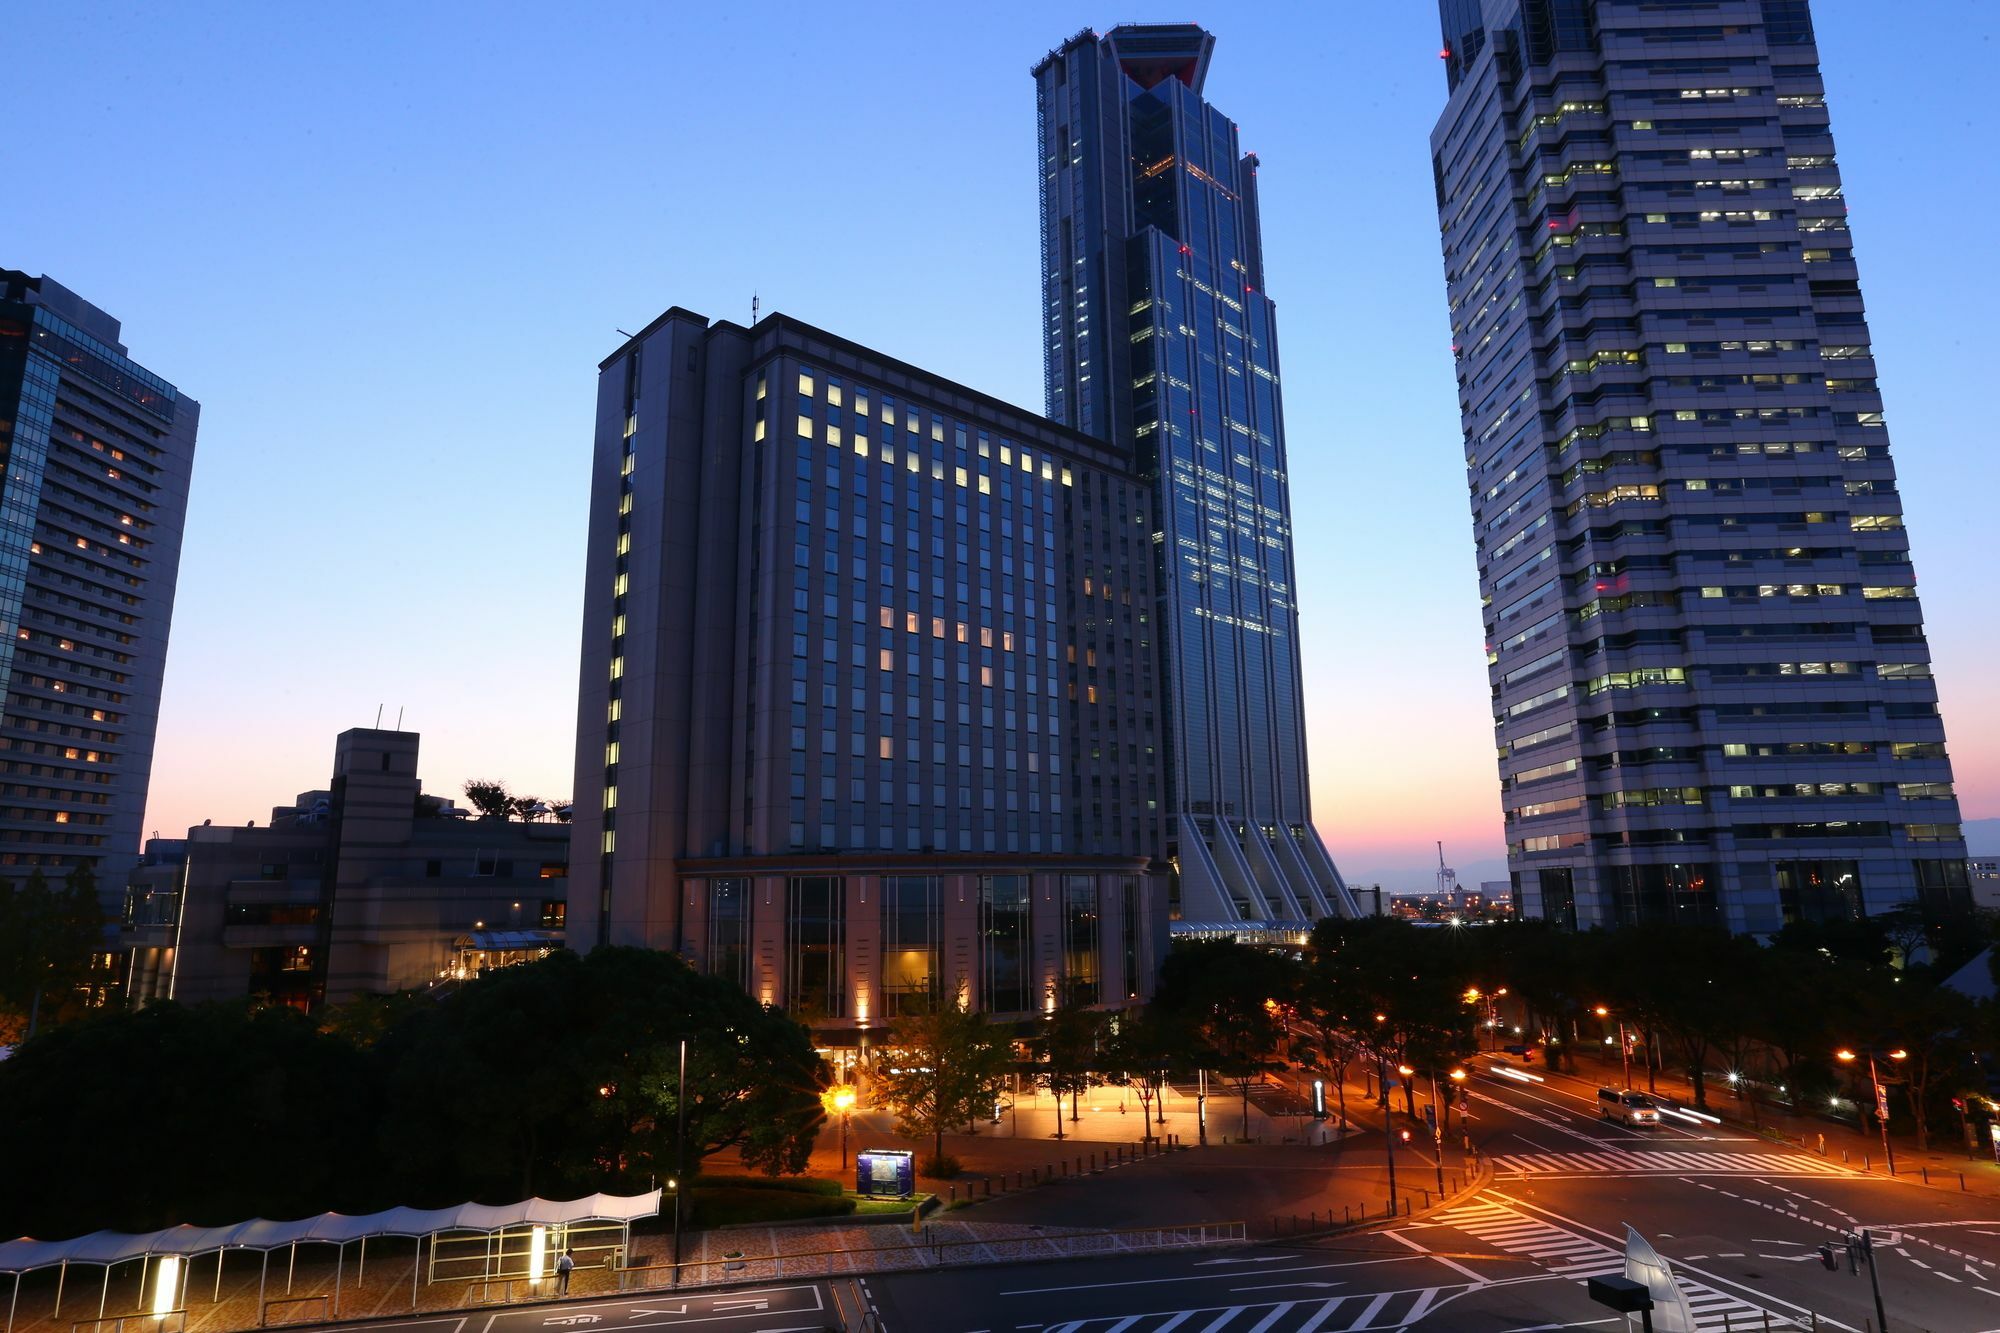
(910, 939)
(816, 946)
(1081, 927)
(729, 930)
(1003, 945)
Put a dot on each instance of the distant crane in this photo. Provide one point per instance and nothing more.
(1447, 879)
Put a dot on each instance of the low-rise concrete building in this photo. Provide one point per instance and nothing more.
(369, 886)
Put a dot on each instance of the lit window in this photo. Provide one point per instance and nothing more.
(805, 427)
(805, 384)
(888, 747)
(618, 667)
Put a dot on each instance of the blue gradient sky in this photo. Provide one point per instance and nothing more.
(386, 246)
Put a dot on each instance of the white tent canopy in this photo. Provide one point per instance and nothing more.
(117, 1247)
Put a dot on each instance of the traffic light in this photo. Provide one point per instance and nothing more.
(1826, 1258)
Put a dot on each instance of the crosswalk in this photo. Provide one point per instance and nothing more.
(1619, 1162)
(1334, 1314)
(1567, 1254)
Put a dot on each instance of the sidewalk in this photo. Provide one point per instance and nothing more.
(1944, 1161)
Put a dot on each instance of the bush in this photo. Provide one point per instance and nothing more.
(794, 1184)
(731, 1204)
(941, 1167)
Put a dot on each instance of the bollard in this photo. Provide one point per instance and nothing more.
(954, 1194)
(1079, 1165)
(1927, 1174)
(989, 1187)
(1121, 1153)
(1346, 1212)
(1866, 1163)
(1093, 1164)
(1427, 1198)
(1961, 1181)
(1843, 1157)
(1017, 1180)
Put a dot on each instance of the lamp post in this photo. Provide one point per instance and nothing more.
(1437, 1131)
(1624, 1050)
(1458, 1079)
(681, 1154)
(839, 1100)
(1846, 1056)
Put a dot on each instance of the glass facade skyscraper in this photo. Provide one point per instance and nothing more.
(1161, 341)
(98, 454)
(1712, 695)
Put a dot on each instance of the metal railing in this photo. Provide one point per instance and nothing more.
(325, 1309)
(173, 1321)
(929, 1252)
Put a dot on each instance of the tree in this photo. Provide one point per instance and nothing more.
(940, 1070)
(1234, 997)
(265, 1116)
(490, 798)
(1148, 1048)
(563, 1074)
(1064, 1050)
(49, 938)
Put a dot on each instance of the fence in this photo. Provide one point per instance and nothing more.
(173, 1321)
(929, 1252)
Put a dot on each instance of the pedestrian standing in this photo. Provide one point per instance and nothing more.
(563, 1267)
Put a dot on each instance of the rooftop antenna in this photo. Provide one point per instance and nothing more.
(378, 715)
(627, 336)
(399, 717)
(755, 306)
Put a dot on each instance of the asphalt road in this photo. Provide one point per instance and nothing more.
(1740, 1219)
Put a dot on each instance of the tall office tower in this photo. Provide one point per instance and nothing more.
(1711, 691)
(1161, 342)
(867, 715)
(98, 453)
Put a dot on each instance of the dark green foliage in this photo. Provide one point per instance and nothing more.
(787, 1184)
(555, 1078)
(732, 1206)
(205, 1116)
(48, 935)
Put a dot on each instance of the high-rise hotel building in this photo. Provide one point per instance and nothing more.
(1712, 696)
(1160, 340)
(868, 715)
(98, 454)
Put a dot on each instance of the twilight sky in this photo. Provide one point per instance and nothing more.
(386, 246)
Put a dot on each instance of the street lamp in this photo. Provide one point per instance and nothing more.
(1846, 1056)
(839, 1100)
(1624, 1051)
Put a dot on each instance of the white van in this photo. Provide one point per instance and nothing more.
(1627, 1108)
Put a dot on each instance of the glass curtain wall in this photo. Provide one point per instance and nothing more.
(910, 939)
(1004, 965)
(816, 946)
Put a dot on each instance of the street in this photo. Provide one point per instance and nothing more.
(1741, 1219)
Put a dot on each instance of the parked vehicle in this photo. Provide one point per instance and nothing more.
(1627, 1108)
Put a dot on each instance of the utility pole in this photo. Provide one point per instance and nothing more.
(1388, 1127)
(1868, 1249)
(681, 1155)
